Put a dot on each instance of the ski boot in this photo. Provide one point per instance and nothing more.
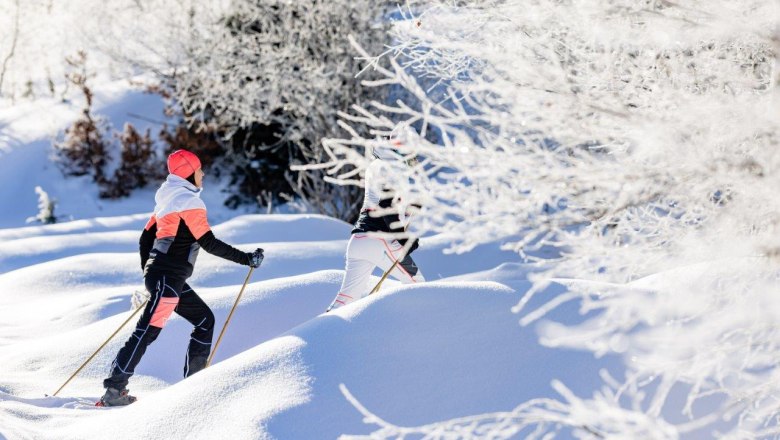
(115, 397)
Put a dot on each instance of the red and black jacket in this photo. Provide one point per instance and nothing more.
(178, 229)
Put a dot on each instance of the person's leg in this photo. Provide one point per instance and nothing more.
(192, 308)
(162, 301)
(359, 266)
(406, 271)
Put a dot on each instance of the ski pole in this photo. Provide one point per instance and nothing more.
(101, 347)
(230, 315)
(379, 284)
(403, 254)
(384, 277)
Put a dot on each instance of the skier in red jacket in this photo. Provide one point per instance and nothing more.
(169, 246)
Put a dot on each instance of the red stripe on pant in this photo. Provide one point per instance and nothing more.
(163, 311)
(399, 265)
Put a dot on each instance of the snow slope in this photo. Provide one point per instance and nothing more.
(412, 354)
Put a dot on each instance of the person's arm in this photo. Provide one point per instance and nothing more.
(217, 247)
(146, 242)
(196, 221)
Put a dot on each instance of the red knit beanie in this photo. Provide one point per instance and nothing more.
(183, 163)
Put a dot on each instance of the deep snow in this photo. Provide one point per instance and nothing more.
(412, 354)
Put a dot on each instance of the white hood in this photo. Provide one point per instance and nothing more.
(177, 194)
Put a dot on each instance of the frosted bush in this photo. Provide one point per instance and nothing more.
(637, 138)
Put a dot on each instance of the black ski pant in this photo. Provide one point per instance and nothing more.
(168, 295)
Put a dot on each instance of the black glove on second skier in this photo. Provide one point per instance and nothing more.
(254, 259)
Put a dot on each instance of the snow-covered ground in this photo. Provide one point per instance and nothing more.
(412, 354)
(415, 355)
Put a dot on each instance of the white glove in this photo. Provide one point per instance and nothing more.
(139, 298)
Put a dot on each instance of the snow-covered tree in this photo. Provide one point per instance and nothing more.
(123, 38)
(46, 207)
(640, 139)
(285, 68)
(33, 31)
(267, 76)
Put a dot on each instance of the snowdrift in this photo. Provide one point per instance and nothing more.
(413, 354)
(417, 354)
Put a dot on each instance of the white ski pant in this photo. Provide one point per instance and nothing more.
(364, 253)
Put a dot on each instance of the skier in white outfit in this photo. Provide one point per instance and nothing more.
(369, 246)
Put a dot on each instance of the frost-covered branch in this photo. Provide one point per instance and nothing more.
(600, 418)
(640, 140)
(123, 37)
(285, 69)
(14, 40)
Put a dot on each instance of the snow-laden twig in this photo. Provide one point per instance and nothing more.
(640, 141)
(12, 50)
(599, 418)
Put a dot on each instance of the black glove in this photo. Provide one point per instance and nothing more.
(255, 258)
